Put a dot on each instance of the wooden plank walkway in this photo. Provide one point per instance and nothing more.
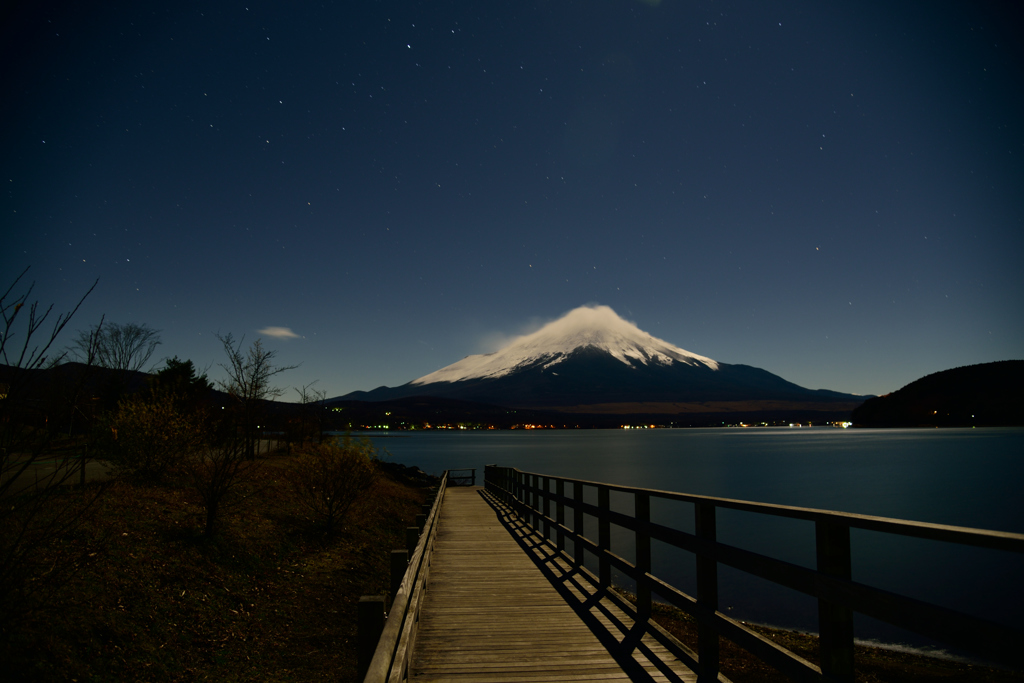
(500, 607)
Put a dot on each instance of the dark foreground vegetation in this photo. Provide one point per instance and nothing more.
(271, 597)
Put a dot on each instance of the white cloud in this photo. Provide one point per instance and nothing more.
(490, 342)
(279, 332)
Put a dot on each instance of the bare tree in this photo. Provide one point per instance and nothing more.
(217, 475)
(25, 355)
(34, 510)
(310, 420)
(248, 383)
(118, 347)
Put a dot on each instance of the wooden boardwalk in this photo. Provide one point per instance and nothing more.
(500, 607)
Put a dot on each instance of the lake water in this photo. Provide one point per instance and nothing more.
(964, 477)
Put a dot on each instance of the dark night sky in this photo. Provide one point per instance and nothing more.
(831, 191)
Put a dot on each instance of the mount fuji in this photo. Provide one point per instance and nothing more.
(592, 361)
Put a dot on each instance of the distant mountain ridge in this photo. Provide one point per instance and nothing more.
(590, 358)
(984, 395)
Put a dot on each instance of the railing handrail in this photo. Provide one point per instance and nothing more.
(985, 538)
(531, 495)
(394, 649)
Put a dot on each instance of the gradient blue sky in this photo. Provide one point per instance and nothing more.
(831, 191)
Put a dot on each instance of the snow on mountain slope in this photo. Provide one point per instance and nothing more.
(588, 326)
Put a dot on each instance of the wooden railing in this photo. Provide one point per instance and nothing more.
(391, 658)
(541, 501)
(462, 477)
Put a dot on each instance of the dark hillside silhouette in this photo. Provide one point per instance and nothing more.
(985, 395)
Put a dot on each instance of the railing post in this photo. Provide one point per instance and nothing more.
(835, 622)
(412, 539)
(560, 514)
(369, 626)
(642, 512)
(577, 522)
(527, 498)
(536, 502)
(399, 563)
(524, 495)
(547, 506)
(604, 536)
(421, 521)
(707, 597)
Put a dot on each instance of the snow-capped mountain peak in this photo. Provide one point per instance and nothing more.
(597, 327)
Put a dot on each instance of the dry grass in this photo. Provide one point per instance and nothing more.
(270, 599)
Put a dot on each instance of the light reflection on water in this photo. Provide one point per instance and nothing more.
(962, 477)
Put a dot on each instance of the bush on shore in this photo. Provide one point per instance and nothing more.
(329, 478)
(149, 438)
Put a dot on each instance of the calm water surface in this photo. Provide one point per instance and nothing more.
(968, 477)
